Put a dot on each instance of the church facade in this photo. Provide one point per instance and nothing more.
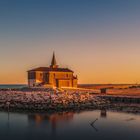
(52, 76)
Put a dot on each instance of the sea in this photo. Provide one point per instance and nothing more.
(86, 125)
(12, 86)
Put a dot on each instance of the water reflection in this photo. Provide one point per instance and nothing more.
(52, 119)
(70, 125)
(103, 113)
(55, 118)
(8, 122)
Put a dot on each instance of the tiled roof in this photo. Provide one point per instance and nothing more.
(48, 69)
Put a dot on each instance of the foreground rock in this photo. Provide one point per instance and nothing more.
(52, 100)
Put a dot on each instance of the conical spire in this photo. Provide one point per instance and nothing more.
(53, 63)
(53, 59)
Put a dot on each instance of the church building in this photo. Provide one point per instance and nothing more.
(52, 76)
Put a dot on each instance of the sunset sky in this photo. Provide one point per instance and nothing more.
(98, 39)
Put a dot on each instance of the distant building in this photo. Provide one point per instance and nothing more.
(52, 76)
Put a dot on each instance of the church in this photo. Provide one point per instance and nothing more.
(52, 76)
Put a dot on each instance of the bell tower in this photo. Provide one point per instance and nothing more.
(53, 62)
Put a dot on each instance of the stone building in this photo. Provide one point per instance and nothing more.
(52, 76)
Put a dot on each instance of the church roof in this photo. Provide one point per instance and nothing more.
(49, 69)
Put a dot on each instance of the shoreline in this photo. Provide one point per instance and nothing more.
(71, 100)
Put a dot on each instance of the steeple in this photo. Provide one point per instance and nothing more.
(53, 63)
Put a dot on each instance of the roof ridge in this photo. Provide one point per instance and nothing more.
(51, 69)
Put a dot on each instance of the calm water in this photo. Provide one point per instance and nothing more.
(12, 86)
(70, 126)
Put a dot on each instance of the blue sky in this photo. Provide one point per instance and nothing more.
(23, 18)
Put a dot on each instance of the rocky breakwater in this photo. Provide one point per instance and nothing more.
(50, 101)
(124, 103)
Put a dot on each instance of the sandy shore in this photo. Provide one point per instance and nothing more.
(52, 100)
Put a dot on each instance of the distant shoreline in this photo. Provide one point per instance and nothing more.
(12, 86)
(86, 86)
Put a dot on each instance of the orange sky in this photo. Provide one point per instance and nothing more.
(99, 40)
(92, 64)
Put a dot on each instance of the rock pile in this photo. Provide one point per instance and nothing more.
(50, 100)
(63, 100)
